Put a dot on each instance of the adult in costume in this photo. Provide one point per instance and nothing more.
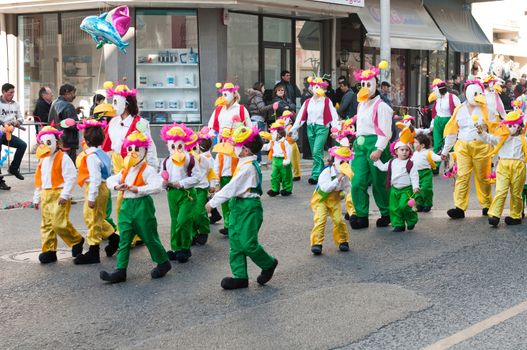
(228, 110)
(492, 96)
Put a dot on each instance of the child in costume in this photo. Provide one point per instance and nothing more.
(511, 149)
(333, 180)
(292, 138)
(94, 168)
(280, 152)
(425, 161)
(402, 182)
(54, 180)
(180, 174)
(137, 180)
(243, 192)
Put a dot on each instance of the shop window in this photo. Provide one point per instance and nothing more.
(437, 65)
(307, 51)
(277, 29)
(167, 66)
(398, 69)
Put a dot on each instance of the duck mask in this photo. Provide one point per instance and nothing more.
(229, 93)
(317, 86)
(119, 104)
(136, 145)
(474, 92)
(47, 139)
(177, 152)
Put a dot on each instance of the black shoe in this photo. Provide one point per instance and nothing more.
(139, 243)
(494, 221)
(312, 181)
(183, 255)
(285, 193)
(76, 250)
(272, 193)
(161, 270)
(420, 208)
(435, 171)
(113, 244)
(193, 243)
(398, 229)
(201, 238)
(359, 223)
(411, 227)
(266, 275)
(511, 221)
(427, 209)
(171, 255)
(214, 216)
(316, 249)
(383, 221)
(456, 213)
(347, 217)
(234, 283)
(344, 247)
(15, 173)
(117, 276)
(47, 257)
(224, 231)
(92, 256)
(4, 187)
(485, 211)
(296, 178)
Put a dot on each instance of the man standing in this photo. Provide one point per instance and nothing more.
(348, 104)
(62, 109)
(339, 91)
(450, 87)
(385, 93)
(41, 111)
(520, 87)
(292, 92)
(10, 117)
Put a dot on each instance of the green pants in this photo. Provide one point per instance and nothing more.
(138, 216)
(400, 212)
(246, 219)
(365, 173)
(181, 204)
(109, 213)
(201, 219)
(225, 210)
(425, 196)
(437, 135)
(317, 136)
(281, 175)
(524, 195)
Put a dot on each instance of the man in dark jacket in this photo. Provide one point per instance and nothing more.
(348, 105)
(292, 91)
(62, 109)
(41, 111)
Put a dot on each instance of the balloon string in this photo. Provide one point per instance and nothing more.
(100, 67)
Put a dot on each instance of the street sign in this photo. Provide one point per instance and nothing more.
(356, 3)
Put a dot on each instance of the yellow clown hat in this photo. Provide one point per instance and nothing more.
(278, 124)
(341, 152)
(243, 135)
(104, 110)
(512, 118)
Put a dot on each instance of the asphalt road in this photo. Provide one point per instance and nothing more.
(391, 291)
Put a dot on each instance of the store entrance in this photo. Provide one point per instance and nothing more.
(277, 57)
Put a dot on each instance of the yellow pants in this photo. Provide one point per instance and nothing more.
(321, 210)
(510, 176)
(295, 160)
(350, 208)
(473, 156)
(56, 221)
(95, 219)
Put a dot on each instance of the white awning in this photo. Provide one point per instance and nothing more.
(411, 26)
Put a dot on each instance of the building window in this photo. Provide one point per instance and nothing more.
(167, 66)
(307, 50)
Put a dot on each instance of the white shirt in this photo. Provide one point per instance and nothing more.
(493, 101)
(420, 159)
(400, 177)
(117, 130)
(69, 173)
(365, 124)
(443, 104)
(246, 178)
(179, 173)
(227, 165)
(327, 184)
(315, 113)
(277, 149)
(95, 166)
(154, 182)
(226, 115)
(511, 149)
(206, 165)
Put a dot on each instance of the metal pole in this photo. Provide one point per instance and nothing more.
(334, 52)
(385, 39)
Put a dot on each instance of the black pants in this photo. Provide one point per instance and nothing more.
(20, 147)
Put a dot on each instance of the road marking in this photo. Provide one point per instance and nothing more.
(479, 327)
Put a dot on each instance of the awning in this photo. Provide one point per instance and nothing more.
(461, 29)
(309, 36)
(411, 26)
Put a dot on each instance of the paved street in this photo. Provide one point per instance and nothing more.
(392, 291)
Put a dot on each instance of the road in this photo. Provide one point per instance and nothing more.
(391, 291)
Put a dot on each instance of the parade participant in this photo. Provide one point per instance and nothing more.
(472, 154)
(243, 192)
(280, 153)
(511, 149)
(318, 112)
(54, 180)
(292, 138)
(94, 168)
(442, 110)
(409, 121)
(138, 181)
(228, 110)
(425, 162)
(374, 131)
(492, 95)
(180, 174)
(345, 137)
(402, 182)
(207, 183)
(333, 180)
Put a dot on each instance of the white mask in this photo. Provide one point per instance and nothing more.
(336, 164)
(367, 90)
(238, 150)
(513, 128)
(228, 96)
(119, 104)
(475, 95)
(47, 146)
(174, 146)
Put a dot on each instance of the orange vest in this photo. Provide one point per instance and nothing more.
(139, 181)
(282, 146)
(56, 172)
(83, 173)
(234, 163)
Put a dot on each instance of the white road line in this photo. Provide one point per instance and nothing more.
(479, 327)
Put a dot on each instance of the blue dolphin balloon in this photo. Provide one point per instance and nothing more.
(102, 31)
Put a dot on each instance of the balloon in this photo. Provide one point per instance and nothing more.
(383, 64)
(141, 126)
(411, 202)
(108, 28)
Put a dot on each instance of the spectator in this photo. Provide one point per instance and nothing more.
(62, 109)
(280, 96)
(339, 93)
(520, 87)
(329, 91)
(385, 93)
(258, 110)
(475, 70)
(456, 85)
(97, 100)
(41, 111)
(291, 91)
(510, 90)
(450, 87)
(10, 116)
(306, 92)
(348, 105)
(506, 98)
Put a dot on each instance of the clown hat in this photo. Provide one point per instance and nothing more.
(314, 81)
(287, 115)
(341, 152)
(91, 123)
(225, 145)
(513, 118)
(138, 139)
(490, 78)
(120, 90)
(48, 130)
(104, 110)
(277, 125)
(228, 86)
(192, 142)
(243, 135)
(204, 134)
(438, 83)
